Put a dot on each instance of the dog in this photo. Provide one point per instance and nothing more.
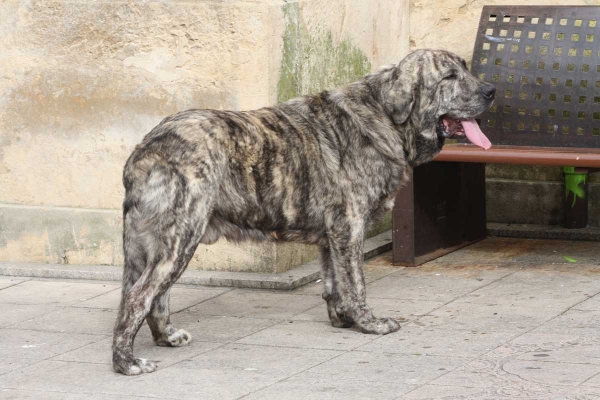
(317, 169)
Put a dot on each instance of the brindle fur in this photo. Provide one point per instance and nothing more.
(317, 169)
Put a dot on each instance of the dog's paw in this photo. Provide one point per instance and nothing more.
(134, 366)
(178, 338)
(378, 326)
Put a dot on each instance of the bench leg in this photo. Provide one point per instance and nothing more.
(440, 210)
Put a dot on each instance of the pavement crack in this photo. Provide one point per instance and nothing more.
(15, 284)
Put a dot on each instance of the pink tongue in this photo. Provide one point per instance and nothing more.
(475, 135)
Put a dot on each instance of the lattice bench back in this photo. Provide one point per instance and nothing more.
(545, 63)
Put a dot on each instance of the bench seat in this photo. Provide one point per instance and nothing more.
(575, 157)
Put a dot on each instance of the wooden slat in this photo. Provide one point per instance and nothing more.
(522, 155)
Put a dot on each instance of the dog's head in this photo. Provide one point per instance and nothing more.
(433, 95)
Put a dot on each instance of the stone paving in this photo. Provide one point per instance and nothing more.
(502, 319)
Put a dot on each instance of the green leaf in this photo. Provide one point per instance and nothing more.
(575, 183)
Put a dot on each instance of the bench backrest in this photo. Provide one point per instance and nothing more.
(545, 64)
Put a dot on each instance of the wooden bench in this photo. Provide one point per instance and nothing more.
(545, 64)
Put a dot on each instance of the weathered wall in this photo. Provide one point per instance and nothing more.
(82, 82)
(515, 194)
(452, 24)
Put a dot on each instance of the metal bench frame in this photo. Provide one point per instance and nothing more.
(545, 64)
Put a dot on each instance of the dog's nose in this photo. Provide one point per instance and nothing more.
(488, 90)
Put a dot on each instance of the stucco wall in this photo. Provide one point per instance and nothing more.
(515, 194)
(82, 82)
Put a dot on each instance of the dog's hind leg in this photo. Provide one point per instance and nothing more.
(330, 291)
(161, 232)
(151, 289)
(159, 321)
(346, 243)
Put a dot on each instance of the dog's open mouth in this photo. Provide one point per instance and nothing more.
(468, 127)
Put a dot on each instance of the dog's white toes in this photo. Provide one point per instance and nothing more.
(133, 370)
(146, 365)
(135, 366)
(180, 338)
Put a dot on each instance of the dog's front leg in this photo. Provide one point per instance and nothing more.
(330, 291)
(349, 291)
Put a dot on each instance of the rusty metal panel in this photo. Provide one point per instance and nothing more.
(545, 63)
(440, 210)
(403, 226)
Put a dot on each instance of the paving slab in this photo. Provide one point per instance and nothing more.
(22, 344)
(257, 304)
(13, 314)
(594, 381)
(220, 329)
(479, 269)
(317, 313)
(538, 288)
(573, 320)
(181, 297)
(416, 340)
(591, 304)
(269, 361)
(437, 285)
(310, 386)
(10, 364)
(503, 251)
(379, 267)
(8, 282)
(402, 310)
(529, 376)
(527, 392)
(487, 318)
(312, 288)
(73, 320)
(582, 393)
(395, 368)
(308, 335)
(520, 301)
(550, 373)
(11, 394)
(100, 352)
(574, 348)
(53, 292)
(99, 379)
(194, 384)
(374, 269)
(440, 392)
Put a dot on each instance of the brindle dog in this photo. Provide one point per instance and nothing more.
(317, 169)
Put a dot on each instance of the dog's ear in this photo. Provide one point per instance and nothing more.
(402, 96)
